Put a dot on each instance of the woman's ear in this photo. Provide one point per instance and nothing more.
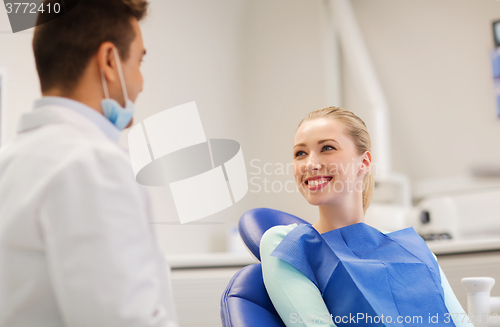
(366, 163)
(106, 61)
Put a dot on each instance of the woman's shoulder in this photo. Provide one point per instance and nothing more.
(274, 235)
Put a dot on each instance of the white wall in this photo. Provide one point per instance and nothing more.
(433, 60)
(193, 54)
(18, 65)
(285, 78)
(261, 71)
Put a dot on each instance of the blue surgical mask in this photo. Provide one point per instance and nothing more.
(119, 116)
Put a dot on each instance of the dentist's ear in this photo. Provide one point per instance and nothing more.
(366, 163)
(106, 61)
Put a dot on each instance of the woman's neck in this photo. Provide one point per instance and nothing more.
(333, 216)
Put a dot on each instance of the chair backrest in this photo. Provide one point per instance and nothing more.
(245, 302)
(255, 222)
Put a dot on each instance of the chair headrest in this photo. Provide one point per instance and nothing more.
(255, 222)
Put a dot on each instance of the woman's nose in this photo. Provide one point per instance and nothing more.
(313, 164)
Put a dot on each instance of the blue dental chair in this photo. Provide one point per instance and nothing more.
(245, 302)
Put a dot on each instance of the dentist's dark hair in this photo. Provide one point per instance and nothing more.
(64, 42)
(356, 129)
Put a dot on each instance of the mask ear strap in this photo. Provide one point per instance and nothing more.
(120, 73)
(104, 85)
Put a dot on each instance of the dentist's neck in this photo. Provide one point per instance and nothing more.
(346, 211)
(88, 90)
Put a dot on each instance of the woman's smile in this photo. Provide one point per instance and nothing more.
(316, 183)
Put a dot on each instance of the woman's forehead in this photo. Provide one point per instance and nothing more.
(318, 129)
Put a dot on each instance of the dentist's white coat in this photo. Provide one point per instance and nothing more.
(76, 244)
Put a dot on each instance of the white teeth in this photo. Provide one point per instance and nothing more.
(317, 182)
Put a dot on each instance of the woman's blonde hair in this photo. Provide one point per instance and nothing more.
(356, 129)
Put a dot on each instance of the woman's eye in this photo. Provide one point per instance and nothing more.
(329, 146)
(298, 153)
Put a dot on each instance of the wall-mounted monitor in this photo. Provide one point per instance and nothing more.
(496, 33)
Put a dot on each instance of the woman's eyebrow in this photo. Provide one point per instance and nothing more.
(319, 142)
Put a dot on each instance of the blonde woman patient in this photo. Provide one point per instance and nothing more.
(340, 271)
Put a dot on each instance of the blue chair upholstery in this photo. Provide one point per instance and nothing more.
(245, 302)
(255, 222)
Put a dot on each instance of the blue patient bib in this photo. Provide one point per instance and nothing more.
(368, 278)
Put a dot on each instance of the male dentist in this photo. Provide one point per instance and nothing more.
(76, 245)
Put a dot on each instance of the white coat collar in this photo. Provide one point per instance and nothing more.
(55, 113)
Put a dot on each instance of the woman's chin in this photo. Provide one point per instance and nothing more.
(316, 202)
(320, 198)
(317, 199)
